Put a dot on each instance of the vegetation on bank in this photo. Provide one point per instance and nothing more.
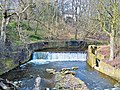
(27, 21)
(24, 21)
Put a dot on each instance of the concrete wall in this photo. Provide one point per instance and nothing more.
(102, 66)
(11, 56)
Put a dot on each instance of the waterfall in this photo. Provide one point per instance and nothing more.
(58, 56)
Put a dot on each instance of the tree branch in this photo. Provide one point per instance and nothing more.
(30, 5)
(22, 2)
(41, 23)
(104, 29)
(12, 14)
(106, 9)
(1, 7)
(25, 9)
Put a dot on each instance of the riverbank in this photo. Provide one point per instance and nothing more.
(64, 79)
(105, 51)
(98, 59)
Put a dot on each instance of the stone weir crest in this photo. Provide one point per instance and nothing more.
(11, 58)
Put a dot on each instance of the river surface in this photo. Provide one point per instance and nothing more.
(26, 74)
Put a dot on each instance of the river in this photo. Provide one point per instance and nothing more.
(27, 73)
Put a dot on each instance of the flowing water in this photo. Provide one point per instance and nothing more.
(28, 72)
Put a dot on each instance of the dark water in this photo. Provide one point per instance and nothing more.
(27, 73)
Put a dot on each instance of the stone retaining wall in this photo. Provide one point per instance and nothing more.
(13, 56)
(95, 60)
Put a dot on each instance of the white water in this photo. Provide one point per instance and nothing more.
(93, 79)
(46, 57)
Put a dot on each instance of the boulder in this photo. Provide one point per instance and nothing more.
(75, 68)
(64, 69)
(67, 81)
(7, 85)
(69, 72)
(4, 86)
(117, 85)
(51, 71)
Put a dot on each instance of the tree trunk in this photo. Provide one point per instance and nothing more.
(76, 19)
(111, 47)
(62, 4)
(19, 28)
(112, 43)
(76, 34)
(36, 29)
(3, 29)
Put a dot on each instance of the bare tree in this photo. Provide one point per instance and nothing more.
(7, 13)
(109, 21)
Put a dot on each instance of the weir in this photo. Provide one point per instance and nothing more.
(22, 54)
(59, 56)
(45, 57)
(41, 61)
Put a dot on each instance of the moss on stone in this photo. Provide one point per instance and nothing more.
(8, 63)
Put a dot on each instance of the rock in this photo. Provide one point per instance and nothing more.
(37, 82)
(117, 85)
(67, 81)
(12, 84)
(119, 81)
(69, 72)
(1, 79)
(19, 82)
(31, 76)
(16, 82)
(8, 85)
(65, 69)
(54, 89)
(47, 89)
(3, 86)
(74, 68)
(112, 89)
(51, 71)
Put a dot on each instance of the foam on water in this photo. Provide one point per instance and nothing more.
(58, 60)
(46, 57)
